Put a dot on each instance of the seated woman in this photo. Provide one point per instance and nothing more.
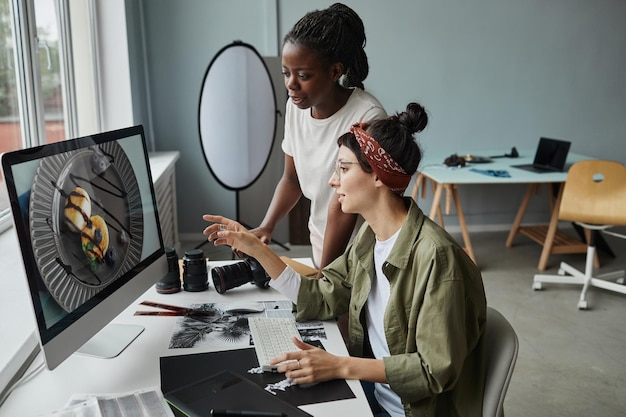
(415, 300)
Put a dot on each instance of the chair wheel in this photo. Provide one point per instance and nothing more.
(620, 281)
(582, 304)
(537, 286)
(561, 272)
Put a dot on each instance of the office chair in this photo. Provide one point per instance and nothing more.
(594, 198)
(502, 349)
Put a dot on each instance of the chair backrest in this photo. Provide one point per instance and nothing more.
(502, 348)
(595, 193)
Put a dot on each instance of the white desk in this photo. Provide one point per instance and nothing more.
(137, 366)
(449, 179)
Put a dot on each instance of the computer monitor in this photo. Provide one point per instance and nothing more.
(86, 218)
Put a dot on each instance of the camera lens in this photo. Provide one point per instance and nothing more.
(172, 259)
(230, 276)
(170, 283)
(235, 275)
(195, 276)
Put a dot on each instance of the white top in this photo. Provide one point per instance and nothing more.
(377, 301)
(313, 145)
(288, 284)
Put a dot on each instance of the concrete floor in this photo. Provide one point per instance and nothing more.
(571, 362)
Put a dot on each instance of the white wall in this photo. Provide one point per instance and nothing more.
(492, 73)
(501, 73)
(495, 74)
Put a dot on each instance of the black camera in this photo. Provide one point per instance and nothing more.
(232, 276)
(195, 274)
(454, 160)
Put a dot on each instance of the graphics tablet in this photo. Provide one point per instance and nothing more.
(227, 391)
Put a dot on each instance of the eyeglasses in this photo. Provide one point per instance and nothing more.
(339, 164)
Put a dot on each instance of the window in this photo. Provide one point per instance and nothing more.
(49, 77)
(46, 68)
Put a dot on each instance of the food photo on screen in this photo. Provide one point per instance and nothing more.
(86, 224)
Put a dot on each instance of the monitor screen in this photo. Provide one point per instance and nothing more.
(86, 218)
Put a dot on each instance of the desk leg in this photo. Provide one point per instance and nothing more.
(549, 242)
(439, 212)
(435, 211)
(419, 182)
(532, 188)
(459, 212)
(435, 208)
(422, 183)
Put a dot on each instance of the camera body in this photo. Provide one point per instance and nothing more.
(232, 276)
(454, 160)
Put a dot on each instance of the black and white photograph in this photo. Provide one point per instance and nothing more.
(226, 329)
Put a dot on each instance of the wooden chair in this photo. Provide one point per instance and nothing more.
(594, 197)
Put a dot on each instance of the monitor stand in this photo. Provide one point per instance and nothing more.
(111, 340)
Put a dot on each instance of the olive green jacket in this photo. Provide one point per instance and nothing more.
(433, 322)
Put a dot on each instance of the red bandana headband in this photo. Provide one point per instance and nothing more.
(388, 171)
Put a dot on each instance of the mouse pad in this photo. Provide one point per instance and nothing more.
(182, 370)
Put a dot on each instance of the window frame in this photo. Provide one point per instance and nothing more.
(22, 21)
(28, 74)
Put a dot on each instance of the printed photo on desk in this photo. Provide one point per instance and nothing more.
(224, 329)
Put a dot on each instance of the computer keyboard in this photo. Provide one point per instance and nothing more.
(272, 336)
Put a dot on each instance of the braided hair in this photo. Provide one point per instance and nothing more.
(336, 34)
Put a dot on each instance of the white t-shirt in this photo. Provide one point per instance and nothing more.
(377, 301)
(313, 145)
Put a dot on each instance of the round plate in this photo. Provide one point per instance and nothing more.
(474, 159)
(66, 271)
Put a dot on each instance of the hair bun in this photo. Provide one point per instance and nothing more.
(414, 118)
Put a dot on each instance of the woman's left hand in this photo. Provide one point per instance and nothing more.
(312, 364)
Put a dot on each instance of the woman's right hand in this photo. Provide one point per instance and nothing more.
(225, 231)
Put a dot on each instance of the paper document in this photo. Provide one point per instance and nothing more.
(143, 403)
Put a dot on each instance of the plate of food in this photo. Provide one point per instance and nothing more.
(86, 221)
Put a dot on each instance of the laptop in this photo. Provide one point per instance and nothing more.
(550, 156)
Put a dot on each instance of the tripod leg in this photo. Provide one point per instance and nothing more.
(204, 242)
(282, 245)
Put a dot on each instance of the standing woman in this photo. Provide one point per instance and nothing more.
(324, 65)
(415, 300)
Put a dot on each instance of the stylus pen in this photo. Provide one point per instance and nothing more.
(244, 413)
